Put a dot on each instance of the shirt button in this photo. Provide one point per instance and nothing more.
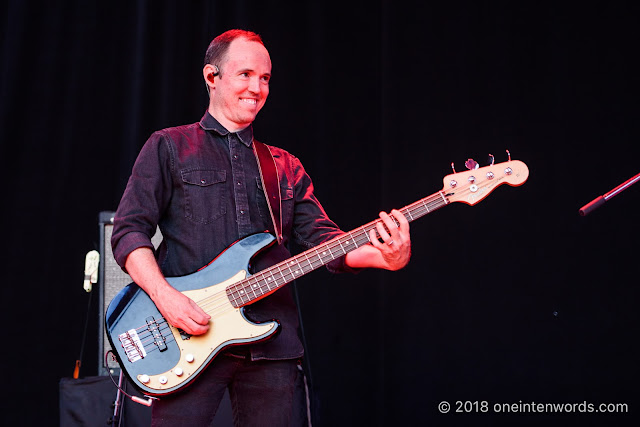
(242, 212)
(239, 183)
(203, 181)
(235, 156)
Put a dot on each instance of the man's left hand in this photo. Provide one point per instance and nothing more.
(395, 247)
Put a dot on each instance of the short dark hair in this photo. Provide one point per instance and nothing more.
(218, 47)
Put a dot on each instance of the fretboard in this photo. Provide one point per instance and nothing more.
(267, 281)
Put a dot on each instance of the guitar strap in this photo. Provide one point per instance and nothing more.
(270, 184)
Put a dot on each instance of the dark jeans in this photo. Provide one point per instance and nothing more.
(261, 394)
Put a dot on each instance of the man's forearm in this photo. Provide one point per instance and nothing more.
(365, 257)
(144, 270)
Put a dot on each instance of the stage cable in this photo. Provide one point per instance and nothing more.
(140, 400)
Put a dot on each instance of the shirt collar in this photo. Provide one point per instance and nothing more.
(209, 123)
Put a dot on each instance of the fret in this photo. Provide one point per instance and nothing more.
(282, 276)
(341, 247)
(259, 287)
(443, 198)
(410, 216)
(324, 255)
(318, 256)
(349, 246)
(309, 262)
(253, 286)
(425, 205)
(327, 253)
(232, 298)
(297, 271)
(365, 233)
(269, 280)
(305, 264)
(241, 295)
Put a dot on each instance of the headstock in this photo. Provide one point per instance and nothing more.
(475, 184)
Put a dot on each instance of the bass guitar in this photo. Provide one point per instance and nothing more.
(160, 359)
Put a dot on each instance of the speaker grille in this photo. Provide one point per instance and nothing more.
(111, 279)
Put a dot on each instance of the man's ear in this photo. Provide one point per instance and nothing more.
(209, 73)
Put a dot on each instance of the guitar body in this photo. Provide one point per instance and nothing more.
(157, 357)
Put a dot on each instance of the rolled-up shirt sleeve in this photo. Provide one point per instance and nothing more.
(147, 194)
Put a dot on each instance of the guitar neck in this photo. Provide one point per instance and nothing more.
(271, 279)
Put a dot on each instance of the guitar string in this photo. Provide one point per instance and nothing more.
(419, 208)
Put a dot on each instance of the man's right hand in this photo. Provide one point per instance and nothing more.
(178, 309)
(181, 311)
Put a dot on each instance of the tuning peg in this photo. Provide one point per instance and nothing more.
(453, 167)
(491, 160)
(471, 164)
(508, 170)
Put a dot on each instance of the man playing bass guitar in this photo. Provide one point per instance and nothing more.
(201, 185)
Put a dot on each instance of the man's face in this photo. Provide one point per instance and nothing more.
(242, 87)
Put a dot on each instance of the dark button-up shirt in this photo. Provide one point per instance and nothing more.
(200, 184)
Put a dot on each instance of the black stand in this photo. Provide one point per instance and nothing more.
(599, 201)
(119, 402)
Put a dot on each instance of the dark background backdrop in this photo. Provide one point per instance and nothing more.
(515, 299)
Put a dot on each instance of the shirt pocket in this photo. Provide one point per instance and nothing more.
(205, 194)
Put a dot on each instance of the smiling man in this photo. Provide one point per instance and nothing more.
(242, 84)
(201, 185)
